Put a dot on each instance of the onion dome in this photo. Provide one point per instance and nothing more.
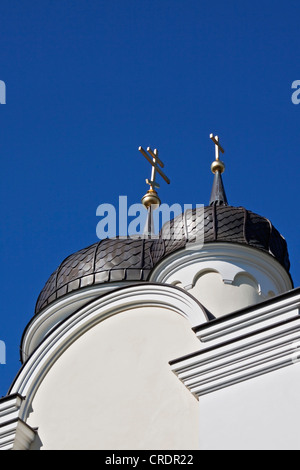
(113, 260)
(109, 260)
(222, 223)
(122, 259)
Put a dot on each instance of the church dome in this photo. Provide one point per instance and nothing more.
(127, 259)
(108, 260)
(112, 260)
(222, 223)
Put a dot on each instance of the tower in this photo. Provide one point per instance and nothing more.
(125, 330)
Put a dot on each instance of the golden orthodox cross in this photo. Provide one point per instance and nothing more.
(156, 164)
(218, 147)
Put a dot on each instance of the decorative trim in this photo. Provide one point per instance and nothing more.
(241, 323)
(14, 433)
(228, 259)
(243, 348)
(66, 332)
(40, 325)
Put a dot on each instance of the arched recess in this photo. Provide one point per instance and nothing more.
(63, 335)
(203, 272)
(246, 278)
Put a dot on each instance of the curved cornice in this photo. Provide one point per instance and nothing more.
(66, 332)
(226, 258)
(40, 325)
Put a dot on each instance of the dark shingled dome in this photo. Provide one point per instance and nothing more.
(132, 259)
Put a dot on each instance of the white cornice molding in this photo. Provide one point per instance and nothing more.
(247, 321)
(46, 321)
(60, 338)
(228, 259)
(243, 347)
(14, 433)
(10, 407)
(40, 325)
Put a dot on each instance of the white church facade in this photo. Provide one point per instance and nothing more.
(164, 343)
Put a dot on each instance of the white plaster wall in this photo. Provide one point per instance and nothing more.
(220, 298)
(259, 414)
(113, 387)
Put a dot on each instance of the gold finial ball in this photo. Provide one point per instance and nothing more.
(151, 198)
(217, 165)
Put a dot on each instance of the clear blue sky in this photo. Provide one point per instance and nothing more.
(88, 81)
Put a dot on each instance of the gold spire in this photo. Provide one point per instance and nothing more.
(151, 197)
(217, 165)
(218, 195)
